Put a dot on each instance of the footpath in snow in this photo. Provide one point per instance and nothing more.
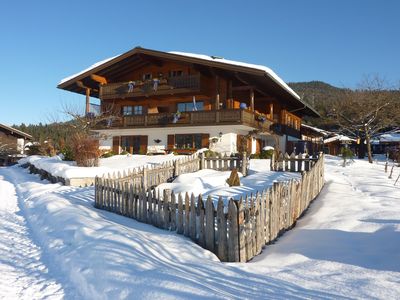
(23, 272)
(345, 247)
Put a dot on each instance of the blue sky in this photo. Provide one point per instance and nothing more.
(42, 42)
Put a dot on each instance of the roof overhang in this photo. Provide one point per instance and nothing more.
(265, 79)
(15, 132)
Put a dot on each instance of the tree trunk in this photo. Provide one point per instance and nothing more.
(368, 142)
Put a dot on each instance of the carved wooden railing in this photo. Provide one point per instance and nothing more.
(137, 88)
(205, 117)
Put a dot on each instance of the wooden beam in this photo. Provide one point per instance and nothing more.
(238, 77)
(80, 84)
(151, 59)
(87, 101)
(252, 100)
(217, 93)
(83, 86)
(99, 79)
(243, 88)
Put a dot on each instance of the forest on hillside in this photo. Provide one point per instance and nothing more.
(320, 95)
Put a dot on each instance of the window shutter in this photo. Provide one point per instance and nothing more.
(205, 140)
(143, 144)
(116, 143)
(171, 141)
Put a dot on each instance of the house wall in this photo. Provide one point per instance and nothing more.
(226, 144)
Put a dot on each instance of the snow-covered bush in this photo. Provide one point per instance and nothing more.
(85, 150)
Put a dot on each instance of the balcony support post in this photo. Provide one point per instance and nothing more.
(251, 99)
(87, 110)
(230, 97)
(217, 93)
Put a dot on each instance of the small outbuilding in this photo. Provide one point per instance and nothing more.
(12, 144)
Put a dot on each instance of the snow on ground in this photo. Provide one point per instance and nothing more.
(24, 274)
(117, 163)
(213, 183)
(345, 247)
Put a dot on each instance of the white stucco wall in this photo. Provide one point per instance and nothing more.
(20, 145)
(225, 144)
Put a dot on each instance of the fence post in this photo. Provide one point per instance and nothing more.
(176, 168)
(244, 164)
(241, 231)
(222, 232)
(233, 242)
(201, 227)
(144, 179)
(202, 161)
(180, 214)
(286, 160)
(210, 225)
(173, 211)
(96, 193)
(299, 162)
(293, 162)
(272, 163)
(187, 215)
(192, 217)
(306, 162)
(166, 212)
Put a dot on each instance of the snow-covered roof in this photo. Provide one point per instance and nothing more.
(106, 66)
(389, 138)
(339, 137)
(267, 70)
(95, 65)
(15, 131)
(316, 129)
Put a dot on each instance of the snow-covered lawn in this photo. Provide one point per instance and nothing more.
(213, 183)
(53, 241)
(118, 163)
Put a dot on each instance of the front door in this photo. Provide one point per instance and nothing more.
(134, 144)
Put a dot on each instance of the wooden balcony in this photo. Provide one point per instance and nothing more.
(285, 129)
(194, 118)
(168, 86)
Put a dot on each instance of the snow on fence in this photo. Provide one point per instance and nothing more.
(236, 232)
(293, 162)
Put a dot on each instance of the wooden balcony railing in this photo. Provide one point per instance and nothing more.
(205, 117)
(171, 85)
(285, 129)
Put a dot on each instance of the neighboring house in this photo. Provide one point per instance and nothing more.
(386, 142)
(311, 142)
(12, 143)
(181, 102)
(332, 145)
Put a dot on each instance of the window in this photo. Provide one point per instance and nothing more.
(127, 110)
(132, 110)
(138, 110)
(189, 106)
(131, 143)
(175, 73)
(187, 141)
(147, 76)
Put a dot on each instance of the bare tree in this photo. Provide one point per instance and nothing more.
(364, 112)
(83, 143)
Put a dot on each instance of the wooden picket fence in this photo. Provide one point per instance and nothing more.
(293, 162)
(235, 231)
(151, 176)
